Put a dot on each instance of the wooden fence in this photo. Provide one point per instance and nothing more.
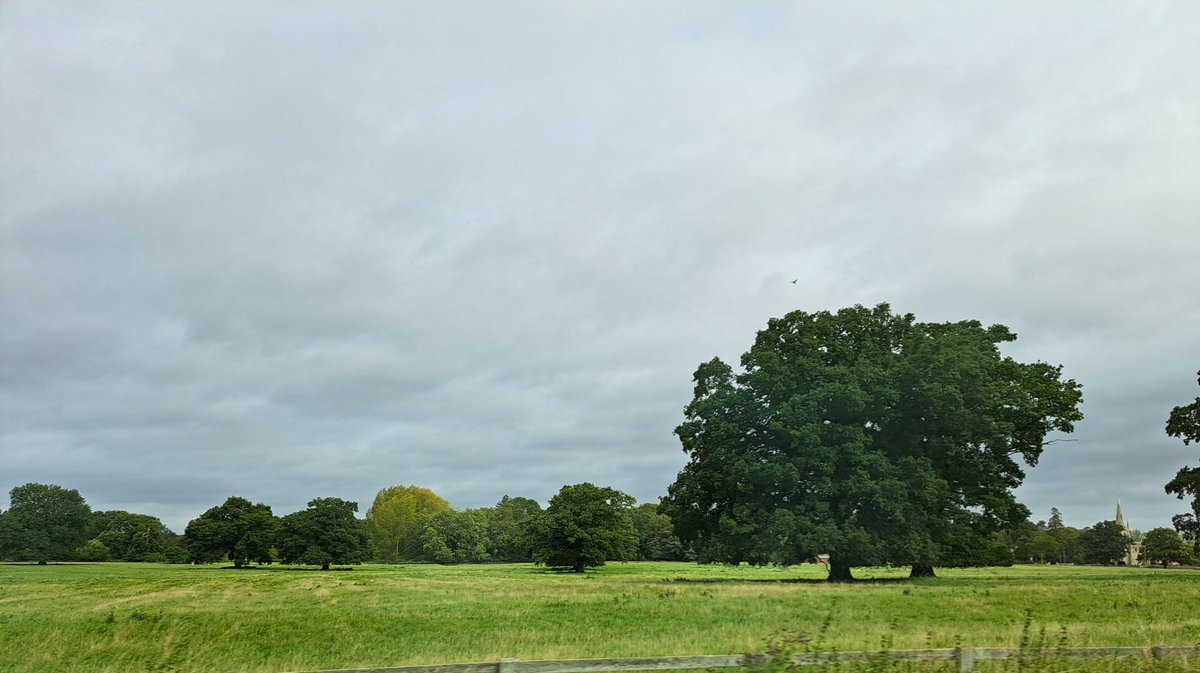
(965, 657)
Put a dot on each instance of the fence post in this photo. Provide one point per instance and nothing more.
(507, 666)
(966, 659)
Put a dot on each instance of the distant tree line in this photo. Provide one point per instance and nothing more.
(1050, 541)
(583, 526)
(1104, 543)
(46, 522)
(413, 524)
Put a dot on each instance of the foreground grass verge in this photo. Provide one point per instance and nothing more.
(114, 618)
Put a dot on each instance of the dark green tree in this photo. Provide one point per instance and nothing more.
(325, 533)
(456, 537)
(1184, 422)
(1017, 538)
(584, 526)
(1069, 550)
(865, 435)
(1163, 545)
(134, 537)
(969, 549)
(1056, 521)
(236, 529)
(10, 533)
(44, 522)
(1103, 543)
(508, 541)
(656, 535)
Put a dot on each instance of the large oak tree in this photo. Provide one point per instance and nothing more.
(866, 435)
(327, 532)
(236, 529)
(44, 523)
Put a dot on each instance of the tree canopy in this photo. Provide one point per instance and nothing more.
(1068, 539)
(583, 526)
(507, 528)
(456, 537)
(656, 536)
(236, 529)
(327, 532)
(1184, 422)
(394, 521)
(866, 435)
(1104, 543)
(1044, 547)
(44, 522)
(127, 536)
(1163, 545)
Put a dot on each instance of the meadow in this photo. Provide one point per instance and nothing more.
(110, 618)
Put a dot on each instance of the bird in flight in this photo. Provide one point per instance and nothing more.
(794, 281)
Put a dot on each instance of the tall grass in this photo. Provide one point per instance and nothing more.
(1038, 650)
(114, 618)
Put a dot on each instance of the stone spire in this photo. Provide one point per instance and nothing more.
(1120, 519)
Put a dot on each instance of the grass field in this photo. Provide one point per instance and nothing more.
(140, 617)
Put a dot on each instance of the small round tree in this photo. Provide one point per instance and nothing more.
(1162, 545)
(584, 526)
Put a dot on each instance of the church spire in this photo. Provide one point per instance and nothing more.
(1120, 519)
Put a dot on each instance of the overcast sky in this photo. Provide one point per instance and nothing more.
(302, 249)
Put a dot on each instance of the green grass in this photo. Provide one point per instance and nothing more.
(143, 617)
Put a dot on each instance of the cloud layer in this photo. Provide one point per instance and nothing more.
(286, 251)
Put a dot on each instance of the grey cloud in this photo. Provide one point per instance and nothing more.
(285, 252)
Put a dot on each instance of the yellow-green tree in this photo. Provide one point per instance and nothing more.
(394, 522)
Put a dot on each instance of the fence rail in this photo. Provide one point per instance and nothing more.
(965, 657)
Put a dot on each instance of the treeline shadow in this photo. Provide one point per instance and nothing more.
(786, 580)
(283, 569)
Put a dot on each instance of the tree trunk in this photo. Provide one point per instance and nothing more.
(921, 570)
(839, 571)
